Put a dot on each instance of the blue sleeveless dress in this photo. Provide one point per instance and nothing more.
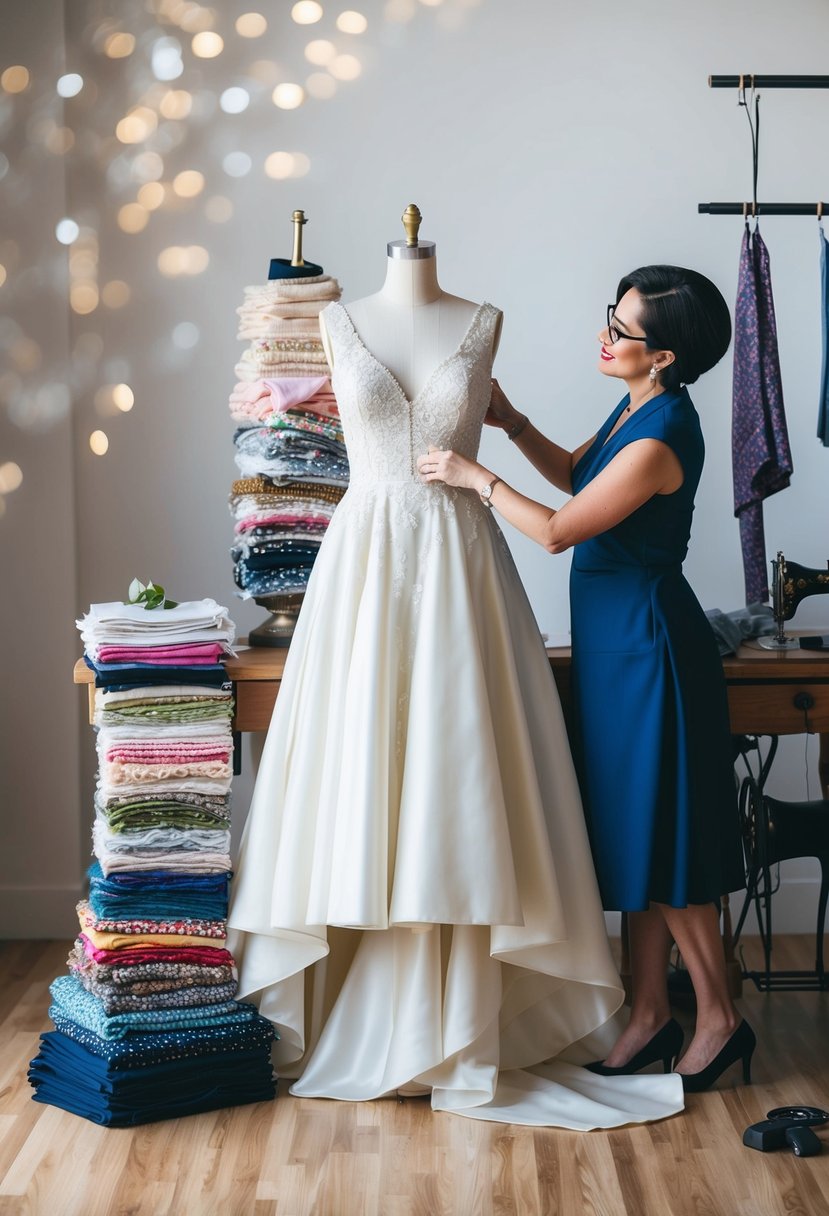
(652, 744)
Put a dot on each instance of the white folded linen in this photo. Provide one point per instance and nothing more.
(192, 621)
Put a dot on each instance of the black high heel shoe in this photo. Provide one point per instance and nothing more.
(739, 1047)
(665, 1045)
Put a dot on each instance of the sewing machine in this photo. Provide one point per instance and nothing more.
(791, 583)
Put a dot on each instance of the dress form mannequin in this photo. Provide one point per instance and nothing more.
(410, 325)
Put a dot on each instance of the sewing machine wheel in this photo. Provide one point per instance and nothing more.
(753, 824)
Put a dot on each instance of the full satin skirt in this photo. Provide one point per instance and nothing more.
(415, 900)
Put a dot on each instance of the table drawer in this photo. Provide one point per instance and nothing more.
(255, 700)
(766, 709)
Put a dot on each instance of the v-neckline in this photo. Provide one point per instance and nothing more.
(412, 401)
(643, 409)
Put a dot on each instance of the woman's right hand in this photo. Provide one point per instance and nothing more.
(501, 412)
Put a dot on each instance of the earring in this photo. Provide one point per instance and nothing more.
(652, 374)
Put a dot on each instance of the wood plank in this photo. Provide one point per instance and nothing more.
(305, 1157)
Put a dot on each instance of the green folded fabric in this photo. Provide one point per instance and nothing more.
(163, 814)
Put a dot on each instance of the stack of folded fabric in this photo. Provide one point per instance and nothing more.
(146, 1024)
(289, 443)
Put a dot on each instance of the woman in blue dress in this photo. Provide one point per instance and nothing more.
(652, 745)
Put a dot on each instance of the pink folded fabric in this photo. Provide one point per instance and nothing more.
(258, 399)
(128, 956)
(286, 519)
(205, 652)
(289, 391)
(165, 755)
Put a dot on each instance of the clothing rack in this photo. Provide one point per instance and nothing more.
(747, 80)
(751, 209)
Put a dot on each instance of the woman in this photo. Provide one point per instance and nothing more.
(652, 742)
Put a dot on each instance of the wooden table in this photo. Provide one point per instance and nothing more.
(769, 692)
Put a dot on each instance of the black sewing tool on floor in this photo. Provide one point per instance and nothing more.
(788, 1125)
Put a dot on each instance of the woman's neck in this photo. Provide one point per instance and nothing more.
(641, 390)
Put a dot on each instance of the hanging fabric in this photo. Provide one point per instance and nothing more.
(761, 456)
(823, 408)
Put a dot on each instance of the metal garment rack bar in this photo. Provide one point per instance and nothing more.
(813, 209)
(768, 82)
(747, 81)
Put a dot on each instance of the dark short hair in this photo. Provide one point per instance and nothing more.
(683, 312)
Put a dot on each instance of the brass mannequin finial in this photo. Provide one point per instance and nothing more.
(412, 220)
(298, 219)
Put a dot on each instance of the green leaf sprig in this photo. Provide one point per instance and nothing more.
(151, 595)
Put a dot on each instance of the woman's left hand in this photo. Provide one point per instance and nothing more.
(450, 468)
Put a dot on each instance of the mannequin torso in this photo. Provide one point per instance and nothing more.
(410, 325)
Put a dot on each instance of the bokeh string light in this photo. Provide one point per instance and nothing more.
(146, 118)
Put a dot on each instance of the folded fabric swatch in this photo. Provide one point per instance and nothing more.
(142, 789)
(156, 751)
(71, 1000)
(157, 893)
(117, 774)
(245, 1041)
(196, 861)
(114, 1001)
(130, 1097)
(183, 927)
(138, 953)
(142, 675)
(161, 839)
(147, 652)
(199, 620)
(147, 977)
(148, 730)
(143, 1049)
(163, 694)
(135, 825)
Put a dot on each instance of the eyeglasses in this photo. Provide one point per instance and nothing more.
(615, 334)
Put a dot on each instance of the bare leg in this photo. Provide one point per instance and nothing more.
(650, 944)
(696, 931)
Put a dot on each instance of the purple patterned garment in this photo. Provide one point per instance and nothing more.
(761, 457)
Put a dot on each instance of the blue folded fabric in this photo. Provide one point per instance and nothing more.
(290, 580)
(71, 1000)
(68, 1075)
(157, 894)
(136, 1050)
(141, 675)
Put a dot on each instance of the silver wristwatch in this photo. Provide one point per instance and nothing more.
(486, 491)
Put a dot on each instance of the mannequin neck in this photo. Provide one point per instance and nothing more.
(411, 282)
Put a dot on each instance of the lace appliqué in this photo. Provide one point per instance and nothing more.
(384, 430)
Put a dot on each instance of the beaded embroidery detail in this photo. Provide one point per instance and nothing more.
(384, 430)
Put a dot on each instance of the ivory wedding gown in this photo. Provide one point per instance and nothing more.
(414, 898)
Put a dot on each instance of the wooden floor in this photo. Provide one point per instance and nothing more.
(387, 1158)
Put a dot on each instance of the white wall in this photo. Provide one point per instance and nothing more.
(42, 843)
(550, 146)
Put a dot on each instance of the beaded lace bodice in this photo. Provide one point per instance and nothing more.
(384, 430)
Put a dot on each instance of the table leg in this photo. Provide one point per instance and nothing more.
(733, 970)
